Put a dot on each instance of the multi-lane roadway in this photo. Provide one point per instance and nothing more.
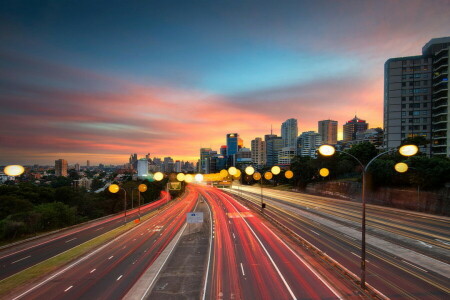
(110, 271)
(407, 253)
(249, 261)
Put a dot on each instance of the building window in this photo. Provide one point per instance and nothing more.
(425, 104)
(416, 98)
(403, 105)
(411, 83)
(425, 97)
(424, 127)
(403, 83)
(403, 98)
(403, 128)
(425, 75)
(425, 119)
(425, 82)
(417, 83)
(424, 113)
(403, 135)
(403, 113)
(403, 120)
(411, 98)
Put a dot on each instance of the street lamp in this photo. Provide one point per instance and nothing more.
(141, 188)
(328, 150)
(114, 188)
(13, 170)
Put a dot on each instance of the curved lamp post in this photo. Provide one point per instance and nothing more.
(328, 150)
(114, 188)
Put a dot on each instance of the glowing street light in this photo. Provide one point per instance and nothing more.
(268, 175)
(14, 170)
(188, 178)
(249, 170)
(288, 174)
(199, 177)
(324, 172)
(232, 171)
(275, 170)
(142, 188)
(405, 150)
(181, 177)
(401, 167)
(158, 176)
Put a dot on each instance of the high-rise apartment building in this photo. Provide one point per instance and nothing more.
(205, 153)
(328, 131)
(352, 127)
(77, 167)
(308, 142)
(61, 167)
(142, 167)
(289, 133)
(416, 98)
(88, 163)
(258, 148)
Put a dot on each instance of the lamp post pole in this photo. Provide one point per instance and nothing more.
(405, 150)
(125, 204)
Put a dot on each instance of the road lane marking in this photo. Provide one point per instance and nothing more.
(68, 288)
(99, 228)
(70, 240)
(425, 244)
(118, 278)
(21, 259)
(111, 256)
(134, 240)
(443, 242)
(307, 265)
(314, 232)
(358, 256)
(267, 253)
(92, 271)
(414, 266)
(234, 235)
(242, 268)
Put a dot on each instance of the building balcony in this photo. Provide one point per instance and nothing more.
(440, 59)
(439, 138)
(442, 113)
(440, 76)
(440, 105)
(443, 50)
(438, 68)
(441, 88)
(444, 80)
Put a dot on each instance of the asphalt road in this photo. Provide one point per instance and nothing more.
(110, 272)
(23, 256)
(395, 277)
(249, 261)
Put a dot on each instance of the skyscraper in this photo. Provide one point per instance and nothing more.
(88, 163)
(258, 148)
(232, 143)
(142, 167)
(205, 153)
(289, 132)
(274, 144)
(61, 167)
(328, 131)
(416, 98)
(352, 127)
(308, 142)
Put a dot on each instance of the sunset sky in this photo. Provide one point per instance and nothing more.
(100, 80)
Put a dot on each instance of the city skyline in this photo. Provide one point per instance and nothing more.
(84, 83)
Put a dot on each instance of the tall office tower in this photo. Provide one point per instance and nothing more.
(258, 149)
(167, 165)
(61, 167)
(274, 144)
(223, 150)
(177, 166)
(147, 156)
(308, 142)
(416, 98)
(289, 133)
(88, 163)
(204, 155)
(77, 167)
(142, 167)
(352, 127)
(232, 143)
(328, 131)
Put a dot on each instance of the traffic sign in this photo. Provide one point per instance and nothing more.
(194, 217)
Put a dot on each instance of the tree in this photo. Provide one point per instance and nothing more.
(364, 152)
(11, 204)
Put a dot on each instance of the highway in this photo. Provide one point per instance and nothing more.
(110, 271)
(249, 261)
(393, 236)
(27, 254)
